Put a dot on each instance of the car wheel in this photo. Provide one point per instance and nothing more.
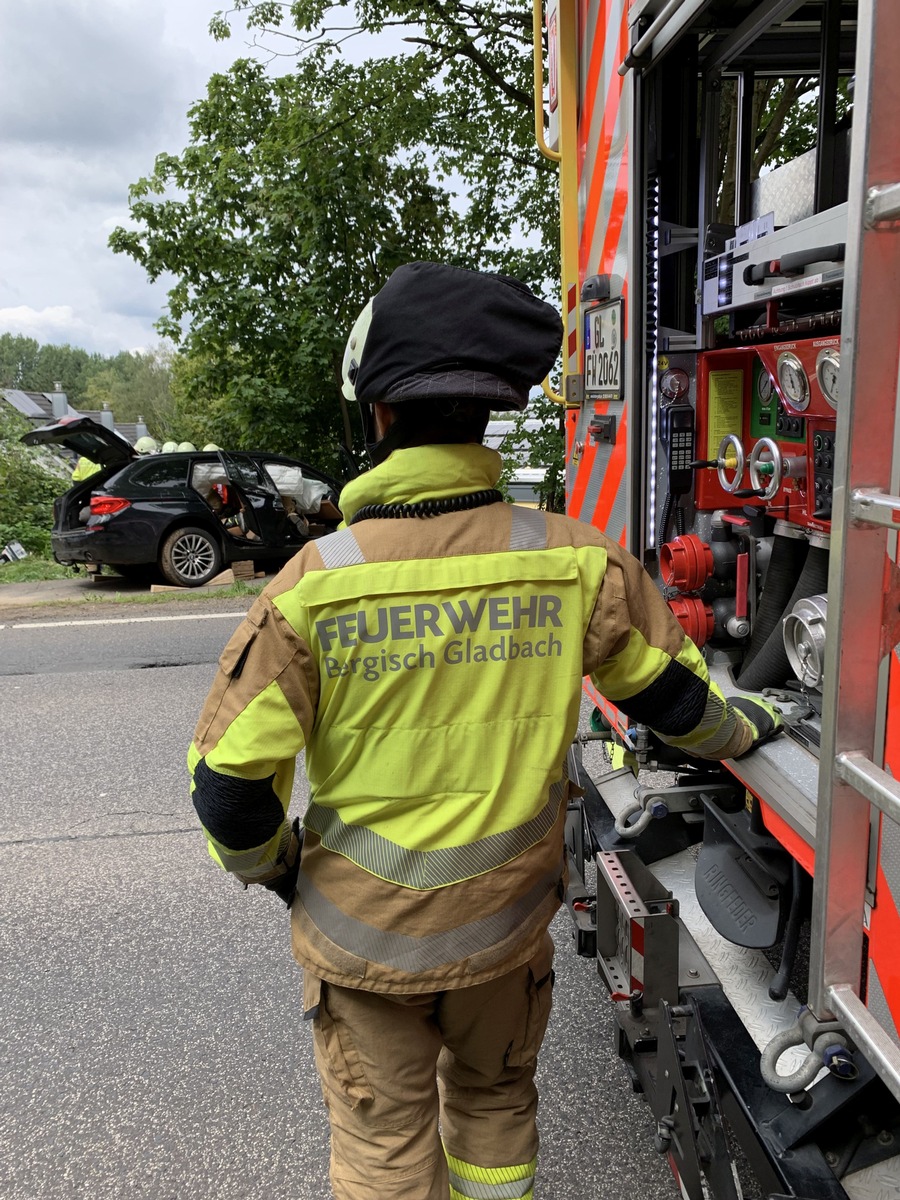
(190, 557)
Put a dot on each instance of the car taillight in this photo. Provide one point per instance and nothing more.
(105, 506)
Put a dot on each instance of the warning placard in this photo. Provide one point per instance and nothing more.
(726, 408)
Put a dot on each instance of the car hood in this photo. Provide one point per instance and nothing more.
(87, 438)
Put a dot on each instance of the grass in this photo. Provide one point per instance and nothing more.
(34, 570)
(234, 591)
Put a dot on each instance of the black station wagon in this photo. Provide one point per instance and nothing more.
(187, 515)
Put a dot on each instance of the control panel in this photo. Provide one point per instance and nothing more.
(777, 403)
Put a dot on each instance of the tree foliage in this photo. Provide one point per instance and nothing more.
(785, 117)
(134, 384)
(300, 192)
(27, 487)
(26, 364)
(541, 447)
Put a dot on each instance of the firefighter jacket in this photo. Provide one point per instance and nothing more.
(84, 469)
(431, 668)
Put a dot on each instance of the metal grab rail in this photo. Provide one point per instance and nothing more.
(549, 392)
(537, 25)
(870, 781)
(868, 1035)
(873, 507)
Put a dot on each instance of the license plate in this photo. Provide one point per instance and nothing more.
(603, 351)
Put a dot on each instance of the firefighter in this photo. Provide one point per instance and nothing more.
(84, 469)
(429, 658)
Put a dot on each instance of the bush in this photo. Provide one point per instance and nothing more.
(27, 488)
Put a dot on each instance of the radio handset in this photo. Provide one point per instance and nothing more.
(677, 434)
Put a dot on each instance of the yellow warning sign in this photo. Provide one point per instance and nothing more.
(726, 408)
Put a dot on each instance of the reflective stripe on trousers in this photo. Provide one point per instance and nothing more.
(468, 1182)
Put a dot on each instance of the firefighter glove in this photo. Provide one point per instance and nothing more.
(285, 884)
(764, 720)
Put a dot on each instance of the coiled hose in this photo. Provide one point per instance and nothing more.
(770, 667)
(785, 565)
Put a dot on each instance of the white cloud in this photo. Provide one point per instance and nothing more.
(91, 92)
(60, 325)
(75, 74)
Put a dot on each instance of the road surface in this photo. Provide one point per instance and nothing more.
(151, 1037)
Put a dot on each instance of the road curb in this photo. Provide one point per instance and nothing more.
(47, 593)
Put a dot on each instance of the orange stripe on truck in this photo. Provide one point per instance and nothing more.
(607, 130)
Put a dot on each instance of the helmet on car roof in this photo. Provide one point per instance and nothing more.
(169, 447)
(211, 446)
(186, 446)
(146, 445)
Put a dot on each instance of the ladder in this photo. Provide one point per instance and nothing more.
(859, 801)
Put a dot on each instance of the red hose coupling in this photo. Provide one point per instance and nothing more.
(694, 617)
(685, 563)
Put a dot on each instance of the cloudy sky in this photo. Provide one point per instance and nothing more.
(90, 92)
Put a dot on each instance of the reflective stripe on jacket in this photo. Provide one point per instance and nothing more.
(431, 667)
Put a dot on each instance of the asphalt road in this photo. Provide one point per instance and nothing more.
(151, 1043)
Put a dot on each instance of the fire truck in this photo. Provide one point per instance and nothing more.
(729, 176)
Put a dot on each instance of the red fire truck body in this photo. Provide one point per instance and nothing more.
(731, 295)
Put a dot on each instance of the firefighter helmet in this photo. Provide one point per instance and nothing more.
(146, 445)
(443, 342)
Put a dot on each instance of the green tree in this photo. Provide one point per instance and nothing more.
(26, 364)
(136, 384)
(472, 63)
(27, 487)
(300, 193)
(18, 356)
(785, 117)
(291, 207)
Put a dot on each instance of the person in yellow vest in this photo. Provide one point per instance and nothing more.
(84, 469)
(429, 656)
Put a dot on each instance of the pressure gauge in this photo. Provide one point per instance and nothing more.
(792, 377)
(674, 383)
(764, 387)
(828, 373)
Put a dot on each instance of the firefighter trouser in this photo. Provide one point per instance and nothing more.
(392, 1067)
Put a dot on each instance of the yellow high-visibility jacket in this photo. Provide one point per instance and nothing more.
(84, 468)
(431, 668)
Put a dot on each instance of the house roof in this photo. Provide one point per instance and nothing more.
(38, 408)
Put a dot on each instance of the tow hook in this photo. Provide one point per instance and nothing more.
(829, 1048)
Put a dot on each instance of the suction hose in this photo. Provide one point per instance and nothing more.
(789, 550)
(770, 667)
